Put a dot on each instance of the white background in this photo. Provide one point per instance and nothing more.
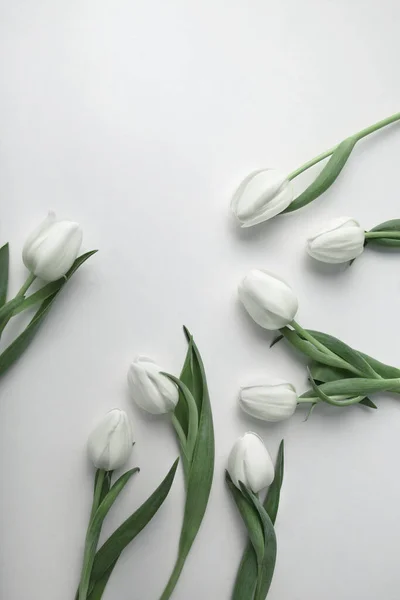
(138, 119)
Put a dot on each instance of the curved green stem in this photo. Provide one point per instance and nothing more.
(173, 580)
(29, 280)
(358, 136)
(310, 338)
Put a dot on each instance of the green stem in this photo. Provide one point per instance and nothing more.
(30, 279)
(97, 492)
(173, 580)
(307, 336)
(393, 235)
(310, 338)
(358, 136)
(83, 594)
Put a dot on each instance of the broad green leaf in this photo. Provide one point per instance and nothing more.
(20, 344)
(308, 349)
(326, 177)
(7, 310)
(190, 441)
(94, 531)
(201, 472)
(392, 225)
(111, 550)
(181, 410)
(4, 266)
(323, 373)
(356, 386)
(271, 503)
(385, 371)
(100, 585)
(341, 349)
(246, 578)
(251, 520)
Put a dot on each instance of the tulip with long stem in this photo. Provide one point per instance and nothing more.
(266, 193)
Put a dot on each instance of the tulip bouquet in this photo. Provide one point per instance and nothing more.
(266, 193)
(343, 239)
(339, 375)
(250, 469)
(50, 254)
(188, 402)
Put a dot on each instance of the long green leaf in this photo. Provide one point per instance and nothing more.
(385, 371)
(4, 266)
(344, 351)
(111, 550)
(390, 226)
(251, 520)
(327, 176)
(101, 584)
(202, 468)
(266, 572)
(246, 578)
(20, 344)
(94, 531)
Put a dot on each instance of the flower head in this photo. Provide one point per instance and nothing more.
(250, 463)
(51, 249)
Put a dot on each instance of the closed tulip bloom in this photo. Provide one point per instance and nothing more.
(51, 249)
(272, 401)
(152, 391)
(262, 195)
(268, 299)
(110, 443)
(250, 463)
(341, 240)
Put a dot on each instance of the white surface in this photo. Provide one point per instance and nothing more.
(138, 119)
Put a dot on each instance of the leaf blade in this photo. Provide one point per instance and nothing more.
(326, 177)
(108, 554)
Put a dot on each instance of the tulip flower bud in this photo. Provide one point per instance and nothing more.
(250, 463)
(340, 241)
(269, 300)
(110, 443)
(262, 195)
(272, 401)
(52, 248)
(149, 389)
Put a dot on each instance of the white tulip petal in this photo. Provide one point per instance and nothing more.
(250, 463)
(340, 241)
(151, 390)
(110, 443)
(271, 401)
(268, 299)
(261, 195)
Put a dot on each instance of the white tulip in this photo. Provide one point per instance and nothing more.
(51, 249)
(250, 463)
(272, 401)
(268, 299)
(261, 195)
(152, 391)
(110, 443)
(340, 241)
